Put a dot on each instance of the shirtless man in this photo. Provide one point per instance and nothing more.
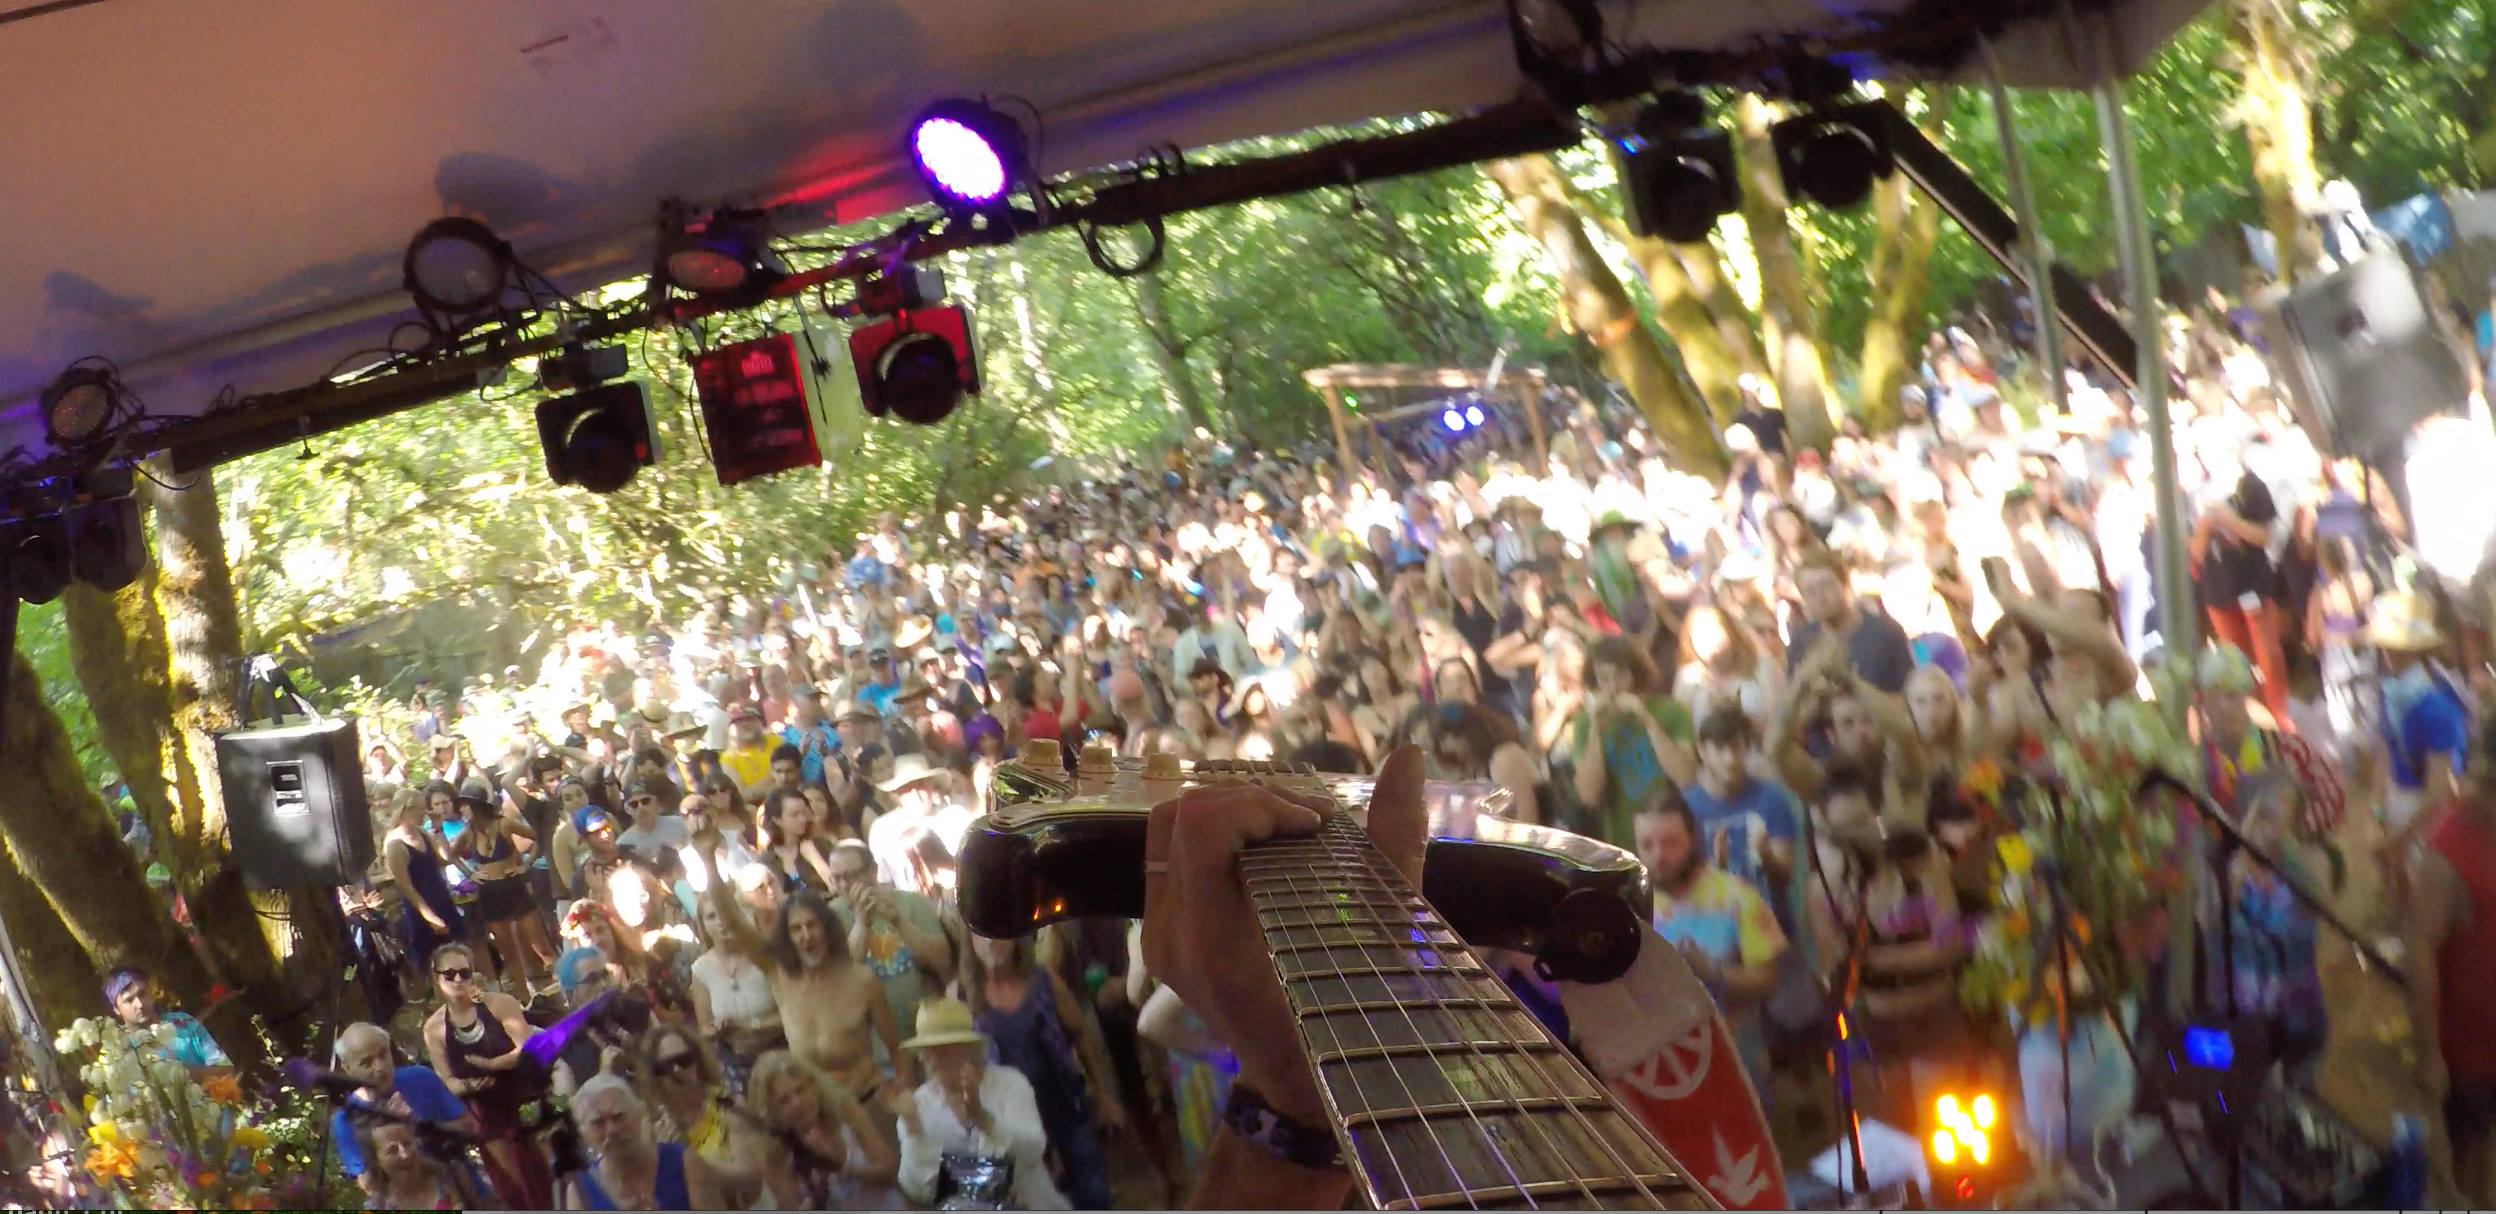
(831, 1005)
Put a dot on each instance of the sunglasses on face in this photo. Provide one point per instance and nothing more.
(461, 974)
(672, 1064)
(638, 802)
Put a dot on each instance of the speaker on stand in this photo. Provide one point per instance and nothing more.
(295, 806)
(2364, 360)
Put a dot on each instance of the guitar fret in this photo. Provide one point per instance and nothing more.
(1446, 1093)
(1428, 1050)
(1386, 971)
(1525, 1104)
(1292, 947)
(1367, 1006)
(1490, 1197)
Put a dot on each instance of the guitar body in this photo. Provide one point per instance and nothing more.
(1053, 848)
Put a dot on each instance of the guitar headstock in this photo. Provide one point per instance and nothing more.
(1059, 844)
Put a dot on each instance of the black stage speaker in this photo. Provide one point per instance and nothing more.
(295, 804)
(2362, 357)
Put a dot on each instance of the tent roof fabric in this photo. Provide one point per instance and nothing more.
(220, 195)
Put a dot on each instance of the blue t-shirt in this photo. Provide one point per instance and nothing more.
(1739, 830)
(428, 1098)
(2436, 722)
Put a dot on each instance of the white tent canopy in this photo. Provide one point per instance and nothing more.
(221, 194)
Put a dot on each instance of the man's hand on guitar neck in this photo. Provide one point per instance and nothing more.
(1202, 940)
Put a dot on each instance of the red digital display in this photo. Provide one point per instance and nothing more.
(755, 408)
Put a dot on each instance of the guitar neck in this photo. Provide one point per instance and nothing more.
(1446, 1093)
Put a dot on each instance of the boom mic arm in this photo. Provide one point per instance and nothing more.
(2209, 811)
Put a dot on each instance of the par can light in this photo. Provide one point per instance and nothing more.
(457, 268)
(80, 406)
(970, 156)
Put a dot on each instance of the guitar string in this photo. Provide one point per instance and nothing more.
(1411, 1101)
(1281, 850)
(1628, 1170)
(1334, 1040)
(1352, 846)
(1368, 855)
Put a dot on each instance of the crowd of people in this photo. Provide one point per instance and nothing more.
(693, 880)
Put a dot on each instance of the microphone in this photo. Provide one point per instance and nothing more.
(305, 1073)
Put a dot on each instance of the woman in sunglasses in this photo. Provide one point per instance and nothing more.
(474, 1041)
(688, 1096)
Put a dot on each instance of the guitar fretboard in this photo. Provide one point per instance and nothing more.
(1446, 1092)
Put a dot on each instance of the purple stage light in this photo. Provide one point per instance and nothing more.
(968, 154)
(961, 162)
(1454, 421)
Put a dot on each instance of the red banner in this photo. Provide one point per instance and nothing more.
(1655, 1036)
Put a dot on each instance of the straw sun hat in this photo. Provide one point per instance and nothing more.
(2403, 622)
(944, 1022)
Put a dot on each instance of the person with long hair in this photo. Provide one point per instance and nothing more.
(496, 848)
(733, 1003)
(1468, 743)
(432, 917)
(593, 923)
(402, 1175)
(1625, 744)
(474, 1041)
(814, 1146)
(793, 846)
(1035, 1025)
(831, 1005)
(1718, 662)
(687, 1093)
(1383, 704)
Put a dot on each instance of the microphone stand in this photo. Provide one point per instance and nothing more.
(2233, 840)
(2231, 843)
(1841, 1063)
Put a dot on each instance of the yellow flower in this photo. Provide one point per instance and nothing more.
(250, 1137)
(105, 1133)
(2016, 855)
(112, 1162)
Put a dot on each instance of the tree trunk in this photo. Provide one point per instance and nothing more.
(246, 932)
(1599, 308)
(1788, 321)
(1170, 352)
(1906, 227)
(2271, 64)
(58, 835)
(117, 647)
(60, 978)
(1714, 366)
(1733, 318)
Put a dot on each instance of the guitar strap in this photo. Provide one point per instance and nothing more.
(1654, 1035)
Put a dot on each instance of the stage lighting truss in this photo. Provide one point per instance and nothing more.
(1832, 154)
(724, 255)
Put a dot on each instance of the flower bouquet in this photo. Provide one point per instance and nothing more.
(2075, 843)
(157, 1137)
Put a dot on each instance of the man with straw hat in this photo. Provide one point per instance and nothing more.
(2425, 723)
(971, 1129)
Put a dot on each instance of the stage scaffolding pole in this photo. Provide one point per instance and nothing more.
(2032, 232)
(2177, 633)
